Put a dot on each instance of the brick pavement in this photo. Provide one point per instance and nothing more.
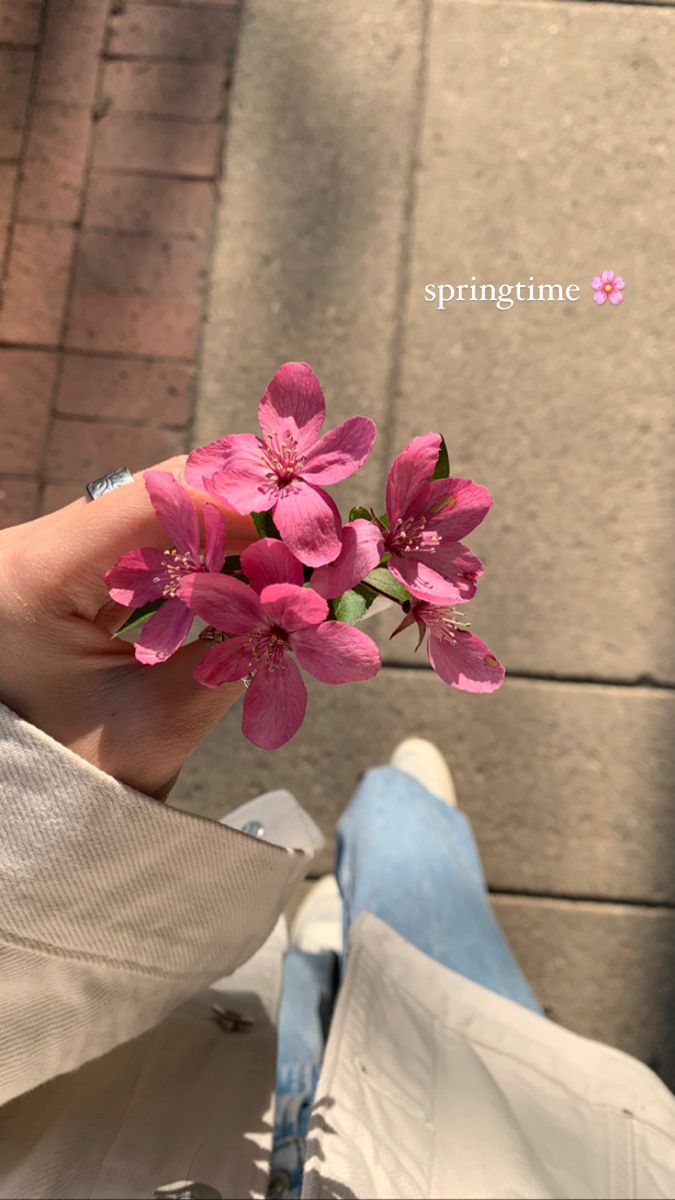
(112, 121)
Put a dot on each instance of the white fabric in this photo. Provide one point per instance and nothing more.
(117, 913)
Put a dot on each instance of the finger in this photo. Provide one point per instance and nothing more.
(88, 537)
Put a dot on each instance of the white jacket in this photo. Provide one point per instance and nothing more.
(117, 917)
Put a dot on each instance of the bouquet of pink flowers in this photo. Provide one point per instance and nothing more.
(295, 596)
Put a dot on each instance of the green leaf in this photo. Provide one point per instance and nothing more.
(384, 520)
(359, 512)
(442, 468)
(265, 525)
(383, 581)
(349, 607)
(140, 615)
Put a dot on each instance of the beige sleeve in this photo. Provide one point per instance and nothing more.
(113, 908)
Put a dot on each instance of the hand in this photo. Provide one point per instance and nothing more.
(61, 669)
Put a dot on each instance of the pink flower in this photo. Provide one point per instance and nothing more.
(426, 520)
(362, 549)
(270, 622)
(607, 286)
(459, 657)
(149, 574)
(283, 469)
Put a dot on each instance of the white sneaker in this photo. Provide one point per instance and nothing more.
(424, 761)
(317, 924)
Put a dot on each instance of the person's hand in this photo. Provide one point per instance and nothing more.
(61, 669)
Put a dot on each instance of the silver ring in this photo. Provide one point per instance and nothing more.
(108, 483)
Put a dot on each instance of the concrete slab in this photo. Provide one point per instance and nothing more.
(605, 971)
(308, 241)
(534, 160)
(569, 787)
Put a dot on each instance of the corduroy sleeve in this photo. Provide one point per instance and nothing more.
(113, 908)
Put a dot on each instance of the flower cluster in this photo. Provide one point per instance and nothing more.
(293, 598)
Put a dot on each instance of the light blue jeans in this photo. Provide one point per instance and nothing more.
(412, 860)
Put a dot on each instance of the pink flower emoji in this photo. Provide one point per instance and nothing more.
(426, 520)
(271, 624)
(459, 657)
(285, 470)
(607, 286)
(149, 574)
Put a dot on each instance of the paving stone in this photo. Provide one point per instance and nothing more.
(306, 260)
(205, 35)
(18, 501)
(137, 295)
(563, 410)
(83, 450)
(124, 389)
(53, 169)
(598, 969)
(166, 89)
(569, 787)
(154, 146)
(37, 281)
(15, 73)
(69, 55)
(20, 23)
(27, 377)
(146, 203)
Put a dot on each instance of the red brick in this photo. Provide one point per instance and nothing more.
(37, 281)
(192, 34)
(18, 501)
(137, 294)
(124, 389)
(7, 185)
(53, 170)
(15, 75)
(148, 203)
(84, 450)
(167, 89)
(26, 382)
(127, 143)
(20, 22)
(57, 495)
(70, 51)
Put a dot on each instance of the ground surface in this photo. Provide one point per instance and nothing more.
(372, 148)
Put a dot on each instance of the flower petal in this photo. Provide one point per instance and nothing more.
(596, 282)
(599, 297)
(336, 653)
(615, 297)
(175, 510)
(293, 404)
(224, 663)
(203, 463)
(137, 577)
(214, 538)
(224, 602)
(362, 549)
(453, 579)
(607, 276)
(409, 473)
(241, 478)
(340, 452)
(292, 607)
(270, 561)
(164, 632)
(274, 705)
(619, 283)
(465, 662)
(309, 522)
(453, 507)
